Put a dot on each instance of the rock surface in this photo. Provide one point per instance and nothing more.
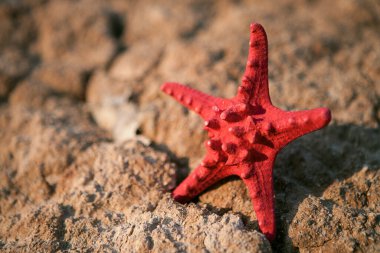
(66, 188)
(90, 148)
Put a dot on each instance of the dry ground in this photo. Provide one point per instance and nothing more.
(90, 148)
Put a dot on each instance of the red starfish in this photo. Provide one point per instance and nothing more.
(246, 133)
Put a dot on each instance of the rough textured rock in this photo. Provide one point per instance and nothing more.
(63, 181)
(237, 201)
(321, 225)
(344, 219)
(170, 227)
(111, 197)
(135, 175)
(37, 146)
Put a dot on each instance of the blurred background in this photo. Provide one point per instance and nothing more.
(109, 58)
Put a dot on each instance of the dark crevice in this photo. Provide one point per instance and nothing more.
(60, 231)
(116, 25)
(376, 111)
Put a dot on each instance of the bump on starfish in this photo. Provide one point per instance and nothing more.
(245, 133)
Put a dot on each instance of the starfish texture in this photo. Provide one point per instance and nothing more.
(245, 133)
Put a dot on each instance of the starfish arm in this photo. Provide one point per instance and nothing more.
(194, 100)
(292, 125)
(199, 180)
(245, 132)
(254, 86)
(260, 187)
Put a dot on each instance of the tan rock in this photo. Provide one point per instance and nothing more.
(78, 33)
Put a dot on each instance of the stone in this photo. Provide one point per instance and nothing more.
(79, 33)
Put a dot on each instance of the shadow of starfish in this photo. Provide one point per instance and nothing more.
(312, 164)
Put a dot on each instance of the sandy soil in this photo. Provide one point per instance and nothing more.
(90, 148)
